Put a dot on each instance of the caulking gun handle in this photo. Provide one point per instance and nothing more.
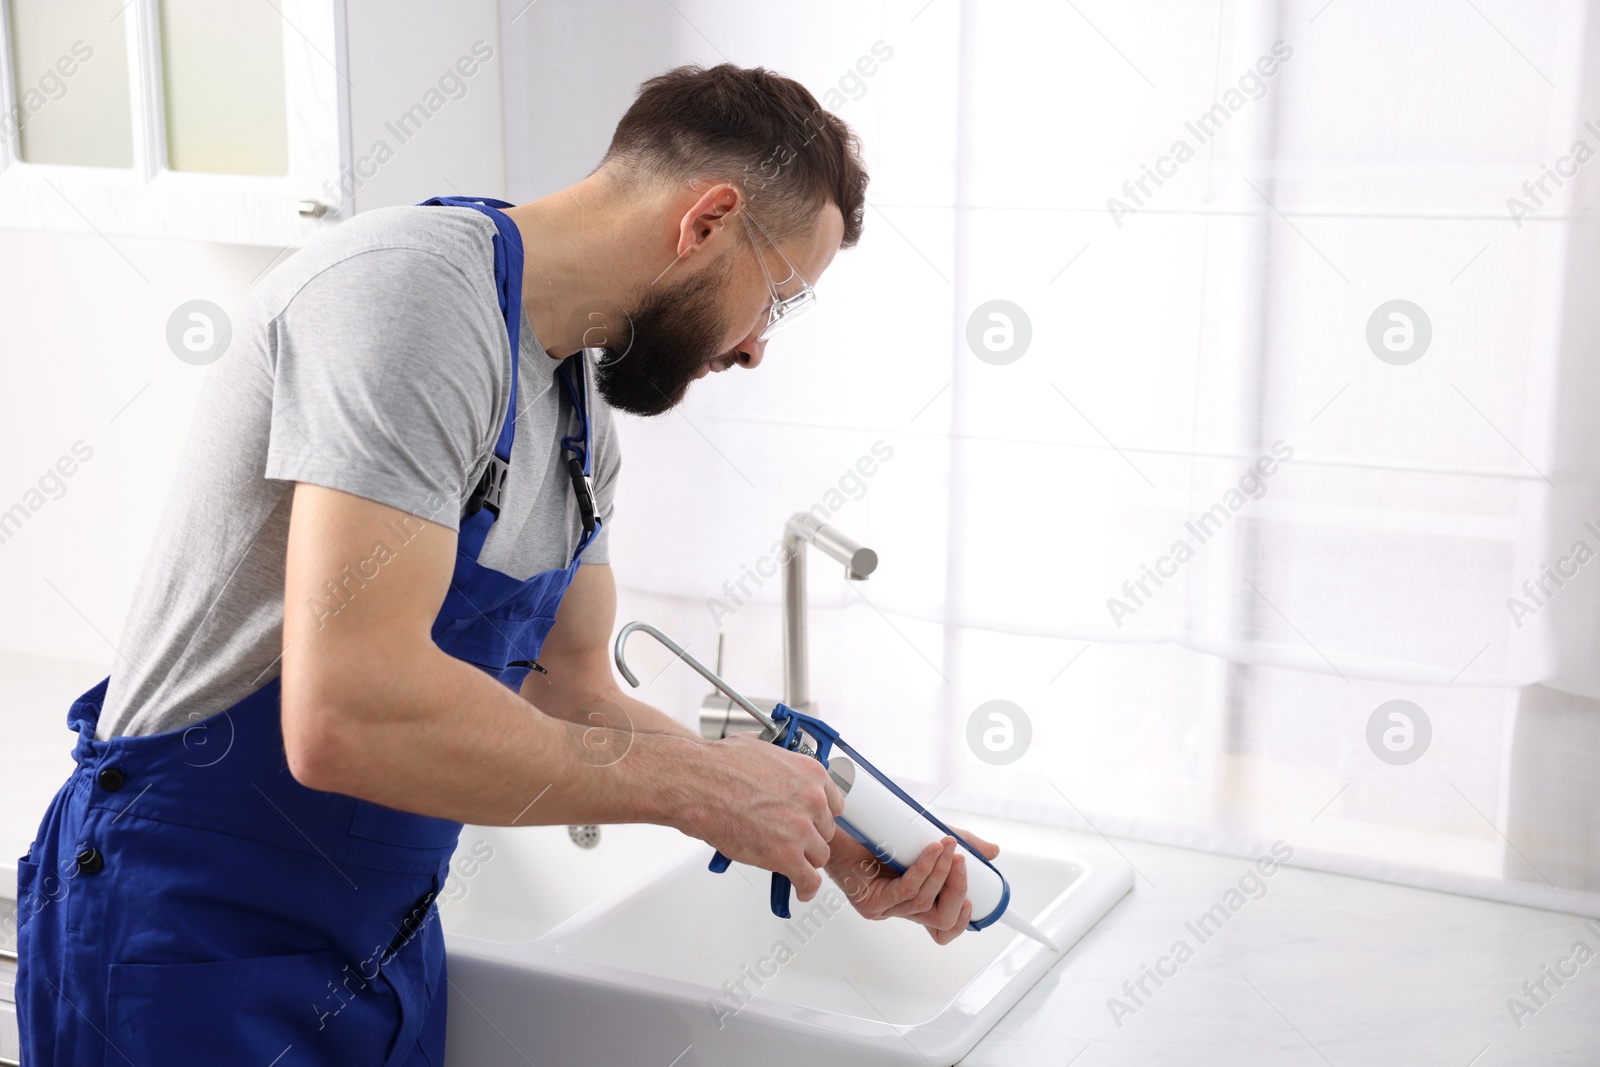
(780, 895)
(780, 885)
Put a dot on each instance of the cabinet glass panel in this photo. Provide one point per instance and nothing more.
(222, 66)
(69, 63)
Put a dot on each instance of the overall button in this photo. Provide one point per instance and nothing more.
(111, 779)
(89, 860)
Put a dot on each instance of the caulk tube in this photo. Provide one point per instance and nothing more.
(899, 833)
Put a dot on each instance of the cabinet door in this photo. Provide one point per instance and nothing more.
(215, 120)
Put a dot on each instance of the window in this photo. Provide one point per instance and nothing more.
(1191, 312)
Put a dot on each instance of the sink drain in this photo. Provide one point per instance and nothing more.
(584, 836)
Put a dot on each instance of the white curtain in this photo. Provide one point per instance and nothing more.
(1204, 212)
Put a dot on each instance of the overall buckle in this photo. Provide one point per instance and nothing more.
(490, 486)
(584, 488)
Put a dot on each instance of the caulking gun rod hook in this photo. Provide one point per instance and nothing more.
(721, 686)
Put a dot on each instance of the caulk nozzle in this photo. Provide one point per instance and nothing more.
(1023, 926)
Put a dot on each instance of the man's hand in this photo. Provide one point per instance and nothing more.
(932, 892)
(768, 807)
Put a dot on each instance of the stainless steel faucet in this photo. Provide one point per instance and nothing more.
(719, 717)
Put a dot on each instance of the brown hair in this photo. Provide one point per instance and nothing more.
(764, 132)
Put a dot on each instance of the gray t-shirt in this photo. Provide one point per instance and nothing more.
(374, 361)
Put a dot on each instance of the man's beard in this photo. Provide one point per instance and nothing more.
(672, 335)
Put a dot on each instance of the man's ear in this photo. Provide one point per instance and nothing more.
(707, 215)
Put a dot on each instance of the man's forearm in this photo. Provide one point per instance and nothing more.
(648, 719)
(603, 704)
(437, 736)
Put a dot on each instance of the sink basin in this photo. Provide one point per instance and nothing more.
(514, 884)
(673, 965)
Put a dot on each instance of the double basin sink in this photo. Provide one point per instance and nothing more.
(621, 948)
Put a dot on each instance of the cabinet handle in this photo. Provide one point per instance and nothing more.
(310, 209)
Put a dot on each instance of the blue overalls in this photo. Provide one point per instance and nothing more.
(188, 902)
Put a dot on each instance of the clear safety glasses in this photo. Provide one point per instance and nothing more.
(785, 309)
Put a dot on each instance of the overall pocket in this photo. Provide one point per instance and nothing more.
(27, 875)
(246, 1011)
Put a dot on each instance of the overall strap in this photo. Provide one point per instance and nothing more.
(580, 465)
(508, 260)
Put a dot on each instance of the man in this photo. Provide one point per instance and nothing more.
(378, 605)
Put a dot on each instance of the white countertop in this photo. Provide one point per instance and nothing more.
(1320, 970)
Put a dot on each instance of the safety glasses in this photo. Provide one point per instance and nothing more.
(785, 309)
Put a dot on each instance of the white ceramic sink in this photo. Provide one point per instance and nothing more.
(512, 885)
(646, 957)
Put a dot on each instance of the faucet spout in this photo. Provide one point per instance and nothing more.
(803, 527)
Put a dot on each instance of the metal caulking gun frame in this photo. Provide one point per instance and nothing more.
(810, 736)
